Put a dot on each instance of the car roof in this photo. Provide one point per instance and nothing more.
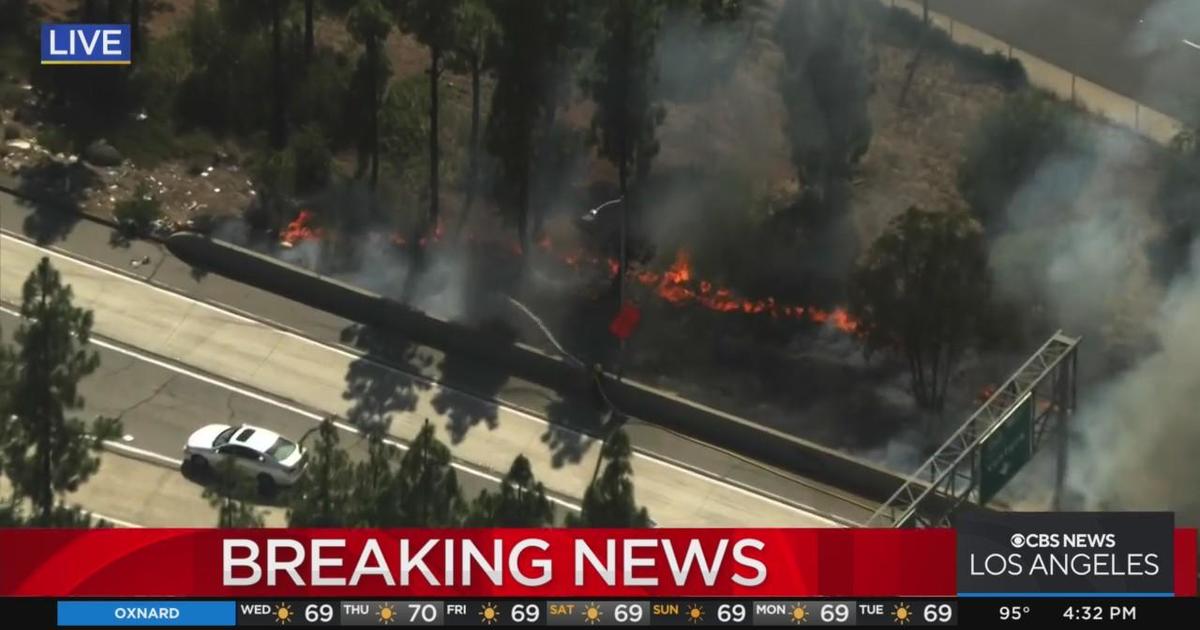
(254, 437)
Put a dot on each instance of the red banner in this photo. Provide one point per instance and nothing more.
(476, 563)
(492, 563)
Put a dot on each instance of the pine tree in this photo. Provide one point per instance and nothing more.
(228, 494)
(48, 453)
(375, 500)
(525, 74)
(369, 23)
(434, 22)
(477, 31)
(322, 495)
(520, 502)
(427, 484)
(609, 501)
(626, 116)
(826, 80)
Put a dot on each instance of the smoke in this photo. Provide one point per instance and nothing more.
(1139, 434)
(1168, 61)
(1075, 254)
(1075, 244)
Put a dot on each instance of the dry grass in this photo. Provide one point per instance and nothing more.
(916, 148)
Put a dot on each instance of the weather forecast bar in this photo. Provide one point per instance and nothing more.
(681, 612)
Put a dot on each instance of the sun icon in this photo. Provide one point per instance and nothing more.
(387, 614)
(902, 613)
(283, 613)
(592, 613)
(489, 614)
(800, 614)
(695, 613)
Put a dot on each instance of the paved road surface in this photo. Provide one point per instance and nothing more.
(1138, 48)
(159, 404)
(223, 347)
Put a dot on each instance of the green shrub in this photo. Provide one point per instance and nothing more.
(137, 213)
(144, 142)
(313, 161)
(1011, 144)
(55, 139)
(404, 120)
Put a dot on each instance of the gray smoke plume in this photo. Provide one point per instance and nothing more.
(1077, 250)
(1140, 432)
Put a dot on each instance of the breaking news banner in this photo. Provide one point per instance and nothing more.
(1132, 569)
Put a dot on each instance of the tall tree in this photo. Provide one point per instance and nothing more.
(370, 24)
(825, 80)
(279, 96)
(376, 501)
(477, 32)
(609, 501)
(922, 290)
(520, 502)
(227, 494)
(321, 496)
(524, 78)
(309, 18)
(434, 22)
(625, 118)
(427, 484)
(135, 30)
(48, 453)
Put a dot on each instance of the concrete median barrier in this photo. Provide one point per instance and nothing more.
(644, 402)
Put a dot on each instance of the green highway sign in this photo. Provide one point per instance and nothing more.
(1006, 449)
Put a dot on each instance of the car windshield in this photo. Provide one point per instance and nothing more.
(223, 437)
(281, 449)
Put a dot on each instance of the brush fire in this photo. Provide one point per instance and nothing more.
(677, 284)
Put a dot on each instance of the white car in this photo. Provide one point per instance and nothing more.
(269, 458)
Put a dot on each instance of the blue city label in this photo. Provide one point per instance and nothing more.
(165, 613)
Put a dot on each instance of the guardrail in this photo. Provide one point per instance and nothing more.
(688, 418)
(1063, 83)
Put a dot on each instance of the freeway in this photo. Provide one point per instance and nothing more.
(308, 379)
(1148, 50)
(159, 404)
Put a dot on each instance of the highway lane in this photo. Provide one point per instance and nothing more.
(312, 377)
(1148, 50)
(160, 404)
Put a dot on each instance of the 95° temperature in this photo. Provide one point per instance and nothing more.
(1013, 613)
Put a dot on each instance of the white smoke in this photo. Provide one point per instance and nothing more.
(1080, 228)
(1141, 432)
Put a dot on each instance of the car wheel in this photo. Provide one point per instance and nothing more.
(198, 463)
(266, 485)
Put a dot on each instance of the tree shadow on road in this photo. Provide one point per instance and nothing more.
(572, 420)
(375, 391)
(481, 380)
(59, 192)
(463, 412)
(243, 490)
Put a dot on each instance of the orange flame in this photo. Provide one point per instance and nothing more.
(673, 285)
(300, 230)
(677, 284)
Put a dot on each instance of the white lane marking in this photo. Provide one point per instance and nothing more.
(115, 521)
(1192, 44)
(432, 383)
(261, 398)
(117, 446)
